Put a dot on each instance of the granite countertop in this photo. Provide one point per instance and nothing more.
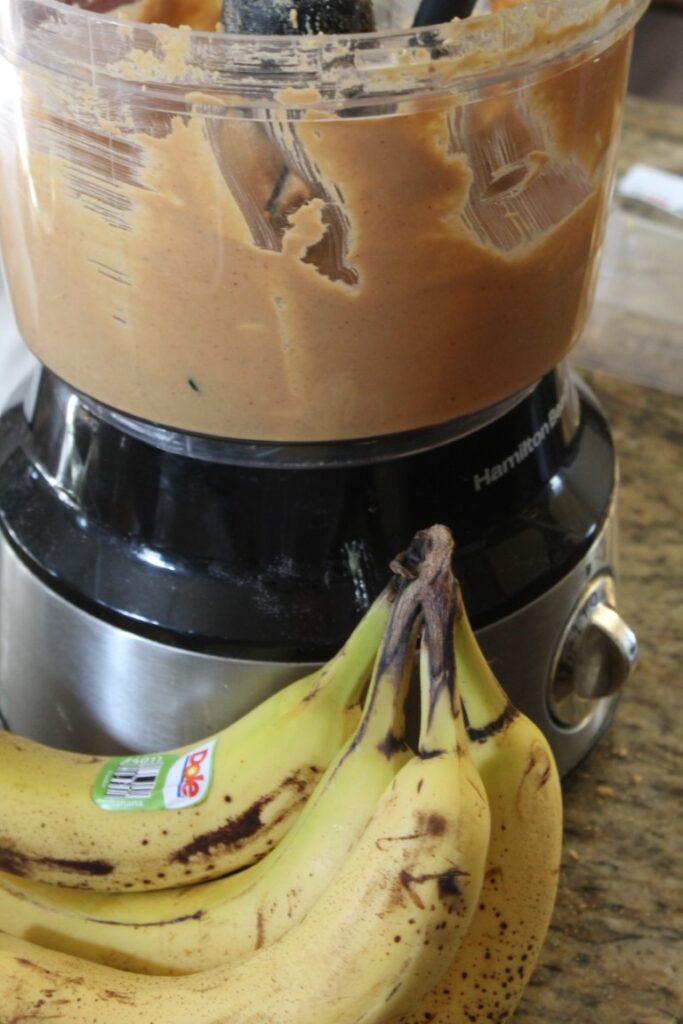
(615, 951)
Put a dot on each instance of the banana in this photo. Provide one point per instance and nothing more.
(381, 933)
(265, 766)
(497, 956)
(180, 931)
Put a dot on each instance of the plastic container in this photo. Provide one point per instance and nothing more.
(306, 238)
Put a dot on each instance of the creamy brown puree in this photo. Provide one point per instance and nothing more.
(440, 261)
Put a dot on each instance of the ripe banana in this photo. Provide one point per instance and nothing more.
(497, 956)
(382, 932)
(180, 931)
(265, 766)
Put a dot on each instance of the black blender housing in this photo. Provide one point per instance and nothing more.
(277, 560)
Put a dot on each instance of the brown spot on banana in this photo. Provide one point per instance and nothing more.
(427, 825)
(40, 969)
(447, 883)
(492, 728)
(236, 831)
(537, 773)
(120, 997)
(80, 867)
(15, 862)
(392, 992)
(196, 916)
(494, 876)
(436, 825)
(391, 745)
(260, 930)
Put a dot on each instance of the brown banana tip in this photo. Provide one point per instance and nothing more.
(430, 551)
(408, 563)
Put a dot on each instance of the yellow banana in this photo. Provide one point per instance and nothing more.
(381, 933)
(180, 931)
(264, 767)
(497, 956)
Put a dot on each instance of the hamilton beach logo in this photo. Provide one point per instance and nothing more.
(526, 447)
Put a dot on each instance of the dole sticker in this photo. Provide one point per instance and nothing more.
(188, 780)
(155, 782)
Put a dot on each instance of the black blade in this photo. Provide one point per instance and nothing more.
(438, 12)
(297, 17)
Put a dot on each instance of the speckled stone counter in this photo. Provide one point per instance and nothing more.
(615, 951)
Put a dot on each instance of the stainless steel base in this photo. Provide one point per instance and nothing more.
(74, 681)
(536, 654)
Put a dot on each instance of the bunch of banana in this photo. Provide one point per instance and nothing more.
(180, 931)
(265, 766)
(388, 923)
(411, 888)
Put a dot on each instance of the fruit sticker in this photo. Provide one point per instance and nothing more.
(188, 779)
(155, 782)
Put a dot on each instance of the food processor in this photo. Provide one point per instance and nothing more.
(295, 297)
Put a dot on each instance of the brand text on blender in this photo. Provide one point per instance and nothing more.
(525, 448)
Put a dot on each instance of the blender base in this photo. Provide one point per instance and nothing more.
(87, 684)
(126, 624)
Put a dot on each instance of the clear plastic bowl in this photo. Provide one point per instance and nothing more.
(307, 238)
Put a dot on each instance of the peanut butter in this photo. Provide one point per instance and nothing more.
(325, 278)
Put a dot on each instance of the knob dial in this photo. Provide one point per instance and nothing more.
(595, 655)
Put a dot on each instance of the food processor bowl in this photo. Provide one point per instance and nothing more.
(307, 238)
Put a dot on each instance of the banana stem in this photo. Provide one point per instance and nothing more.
(383, 721)
(424, 585)
(427, 562)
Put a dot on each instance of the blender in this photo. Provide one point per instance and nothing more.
(294, 298)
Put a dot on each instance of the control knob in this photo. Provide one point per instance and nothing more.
(595, 655)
